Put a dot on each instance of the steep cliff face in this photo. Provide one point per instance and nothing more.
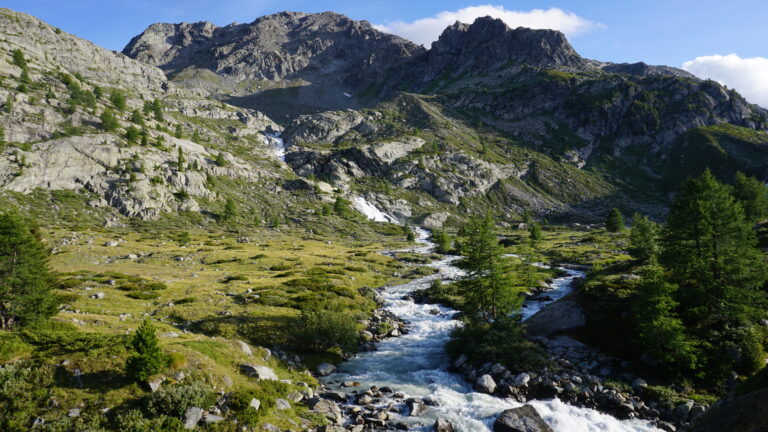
(156, 158)
(638, 128)
(308, 62)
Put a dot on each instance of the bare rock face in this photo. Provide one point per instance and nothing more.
(330, 58)
(562, 315)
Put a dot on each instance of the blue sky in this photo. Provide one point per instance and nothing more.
(673, 32)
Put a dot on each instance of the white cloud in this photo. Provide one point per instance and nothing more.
(426, 30)
(749, 76)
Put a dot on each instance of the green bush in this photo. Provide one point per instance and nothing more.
(319, 330)
(501, 341)
(175, 400)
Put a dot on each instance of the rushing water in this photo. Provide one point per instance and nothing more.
(416, 364)
(278, 145)
(371, 211)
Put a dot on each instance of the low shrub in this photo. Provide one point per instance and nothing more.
(176, 399)
(319, 330)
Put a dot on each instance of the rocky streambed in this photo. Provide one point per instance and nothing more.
(409, 383)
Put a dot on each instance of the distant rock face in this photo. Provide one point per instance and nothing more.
(489, 45)
(331, 57)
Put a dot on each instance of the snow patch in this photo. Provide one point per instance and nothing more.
(347, 94)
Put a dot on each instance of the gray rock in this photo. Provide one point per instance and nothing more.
(523, 419)
(562, 315)
(639, 383)
(485, 384)
(442, 425)
(255, 404)
(192, 416)
(683, 410)
(258, 371)
(417, 409)
(325, 369)
(282, 404)
(74, 412)
(522, 379)
(327, 408)
(211, 418)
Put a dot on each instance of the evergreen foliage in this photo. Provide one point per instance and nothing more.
(443, 242)
(108, 121)
(117, 97)
(615, 221)
(487, 287)
(753, 197)
(148, 359)
(644, 238)
(26, 282)
(230, 210)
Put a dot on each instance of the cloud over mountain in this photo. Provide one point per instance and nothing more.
(749, 76)
(427, 30)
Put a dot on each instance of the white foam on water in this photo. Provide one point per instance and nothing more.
(416, 364)
(371, 211)
(278, 145)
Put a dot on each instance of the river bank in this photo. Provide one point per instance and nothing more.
(408, 382)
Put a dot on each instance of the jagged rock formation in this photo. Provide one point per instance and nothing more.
(625, 126)
(311, 61)
(53, 138)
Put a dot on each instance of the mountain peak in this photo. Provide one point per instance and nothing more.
(491, 39)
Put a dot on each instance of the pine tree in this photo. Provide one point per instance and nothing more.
(137, 118)
(117, 97)
(178, 133)
(753, 197)
(26, 282)
(643, 238)
(487, 287)
(660, 331)
(108, 121)
(148, 359)
(221, 160)
(442, 241)
(157, 109)
(230, 210)
(180, 159)
(535, 234)
(18, 58)
(132, 134)
(711, 251)
(615, 221)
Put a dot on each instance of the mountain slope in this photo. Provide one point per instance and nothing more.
(307, 61)
(627, 127)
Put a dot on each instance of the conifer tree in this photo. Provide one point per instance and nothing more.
(442, 241)
(26, 282)
(615, 221)
(535, 233)
(108, 121)
(148, 359)
(643, 238)
(230, 210)
(180, 159)
(752, 194)
(487, 287)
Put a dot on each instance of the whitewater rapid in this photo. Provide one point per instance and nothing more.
(371, 211)
(273, 140)
(417, 365)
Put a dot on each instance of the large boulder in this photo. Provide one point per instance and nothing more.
(485, 384)
(442, 425)
(258, 371)
(328, 409)
(561, 316)
(324, 369)
(523, 419)
(192, 416)
(745, 413)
